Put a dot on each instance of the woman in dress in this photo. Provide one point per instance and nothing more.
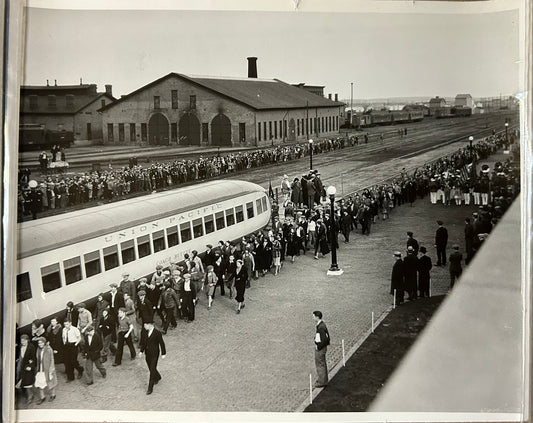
(240, 284)
(25, 370)
(46, 365)
(229, 275)
(210, 284)
(292, 244)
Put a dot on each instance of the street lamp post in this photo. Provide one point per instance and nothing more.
(334, 269)
(473, 171)
(310, 154)
(506, 135)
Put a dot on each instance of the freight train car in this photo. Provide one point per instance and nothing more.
(37, 137)
(74, 257)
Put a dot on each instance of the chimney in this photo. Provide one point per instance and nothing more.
(47, 83)
(109, 90)
(81, 83)
(252, 67)
(329, 96)
(55, 82)
(336, 97)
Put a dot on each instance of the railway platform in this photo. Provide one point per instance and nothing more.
(260, 360)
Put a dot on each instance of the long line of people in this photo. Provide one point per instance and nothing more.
(172, 294)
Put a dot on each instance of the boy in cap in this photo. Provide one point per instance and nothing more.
(125, 329)
(92, 349)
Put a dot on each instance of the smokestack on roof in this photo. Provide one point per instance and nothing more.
(109, 90)
(55, 82)
(47, 83)
(252, 67)
(329, 96)
(336, 97)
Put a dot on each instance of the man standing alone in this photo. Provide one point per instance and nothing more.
(151, 340)
(441, 240)
(321, 346)
(455, 265)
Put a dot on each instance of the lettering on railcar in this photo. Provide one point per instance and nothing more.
(163, 223)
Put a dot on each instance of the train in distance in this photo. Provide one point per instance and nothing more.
(76, 256)
(392, 117)
(38, 137)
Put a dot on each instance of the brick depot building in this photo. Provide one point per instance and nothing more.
(71, 108)
(190, 110)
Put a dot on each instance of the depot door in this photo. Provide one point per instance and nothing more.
(158, 130)
(189, 130)
(221, 130)
(292, 130)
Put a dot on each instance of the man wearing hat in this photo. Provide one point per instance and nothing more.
(455, 265)
(411, 242)
(410, 268)
(209, 256)
(92, 349)
(397, 278)
(424, 266)
(127, 286)
(151, 343)
(145, 309)
(158, 275)
(188, 295)
(115, 298)
(441, 240)
(84, 318)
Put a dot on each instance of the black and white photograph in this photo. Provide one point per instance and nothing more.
(276, 211)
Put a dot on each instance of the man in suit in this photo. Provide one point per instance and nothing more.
(411, 242)
(115, 298)
(151, 341)
(92, 349)
(455, 265)
(441, 240)
(322, 341)
(469, 240)
(397, 278)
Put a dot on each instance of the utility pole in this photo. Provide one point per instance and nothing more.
(307, 120)
(351, 104)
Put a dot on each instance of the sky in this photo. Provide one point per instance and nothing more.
(385, 55)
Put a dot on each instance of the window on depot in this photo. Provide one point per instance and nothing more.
(209, 224)
(250, 210)
(128, 251)
(143, 246)
(197, 228)
(110, 257)
(239, 213)
(51, 277)
(92, 263)
(72, 270)
(23, 287)
(172, 236)
(159, 240)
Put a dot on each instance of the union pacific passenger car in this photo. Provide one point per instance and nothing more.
(74, 256)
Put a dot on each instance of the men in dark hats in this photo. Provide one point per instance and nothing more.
(424, 266)
(455, 265)
(209, 256)
(397, 278)
(411, 242)
(151, 344)
(441, 240)
(410, 267)
(92, 349)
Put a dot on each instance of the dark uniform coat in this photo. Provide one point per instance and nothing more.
(397, 277)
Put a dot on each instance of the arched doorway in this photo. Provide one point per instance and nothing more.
(158, 130)
(292, 130)
(220, 130)
(189, 130)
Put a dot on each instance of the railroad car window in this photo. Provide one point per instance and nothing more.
(92, 263)
(72, 270)
(209, 224)
(51, 277)
(127, 249)
(143, 246)
(259, 131)
(259, 206)
(264, 201)
(230, 217)
(23, 287)
(185, 232)
(110, 257)
(239, 214)
(172, 236)
(197, 228)
(250, 209)
(219, 218)
(159, 241)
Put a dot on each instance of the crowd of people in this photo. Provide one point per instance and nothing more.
(61, 191)
(123, 315)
